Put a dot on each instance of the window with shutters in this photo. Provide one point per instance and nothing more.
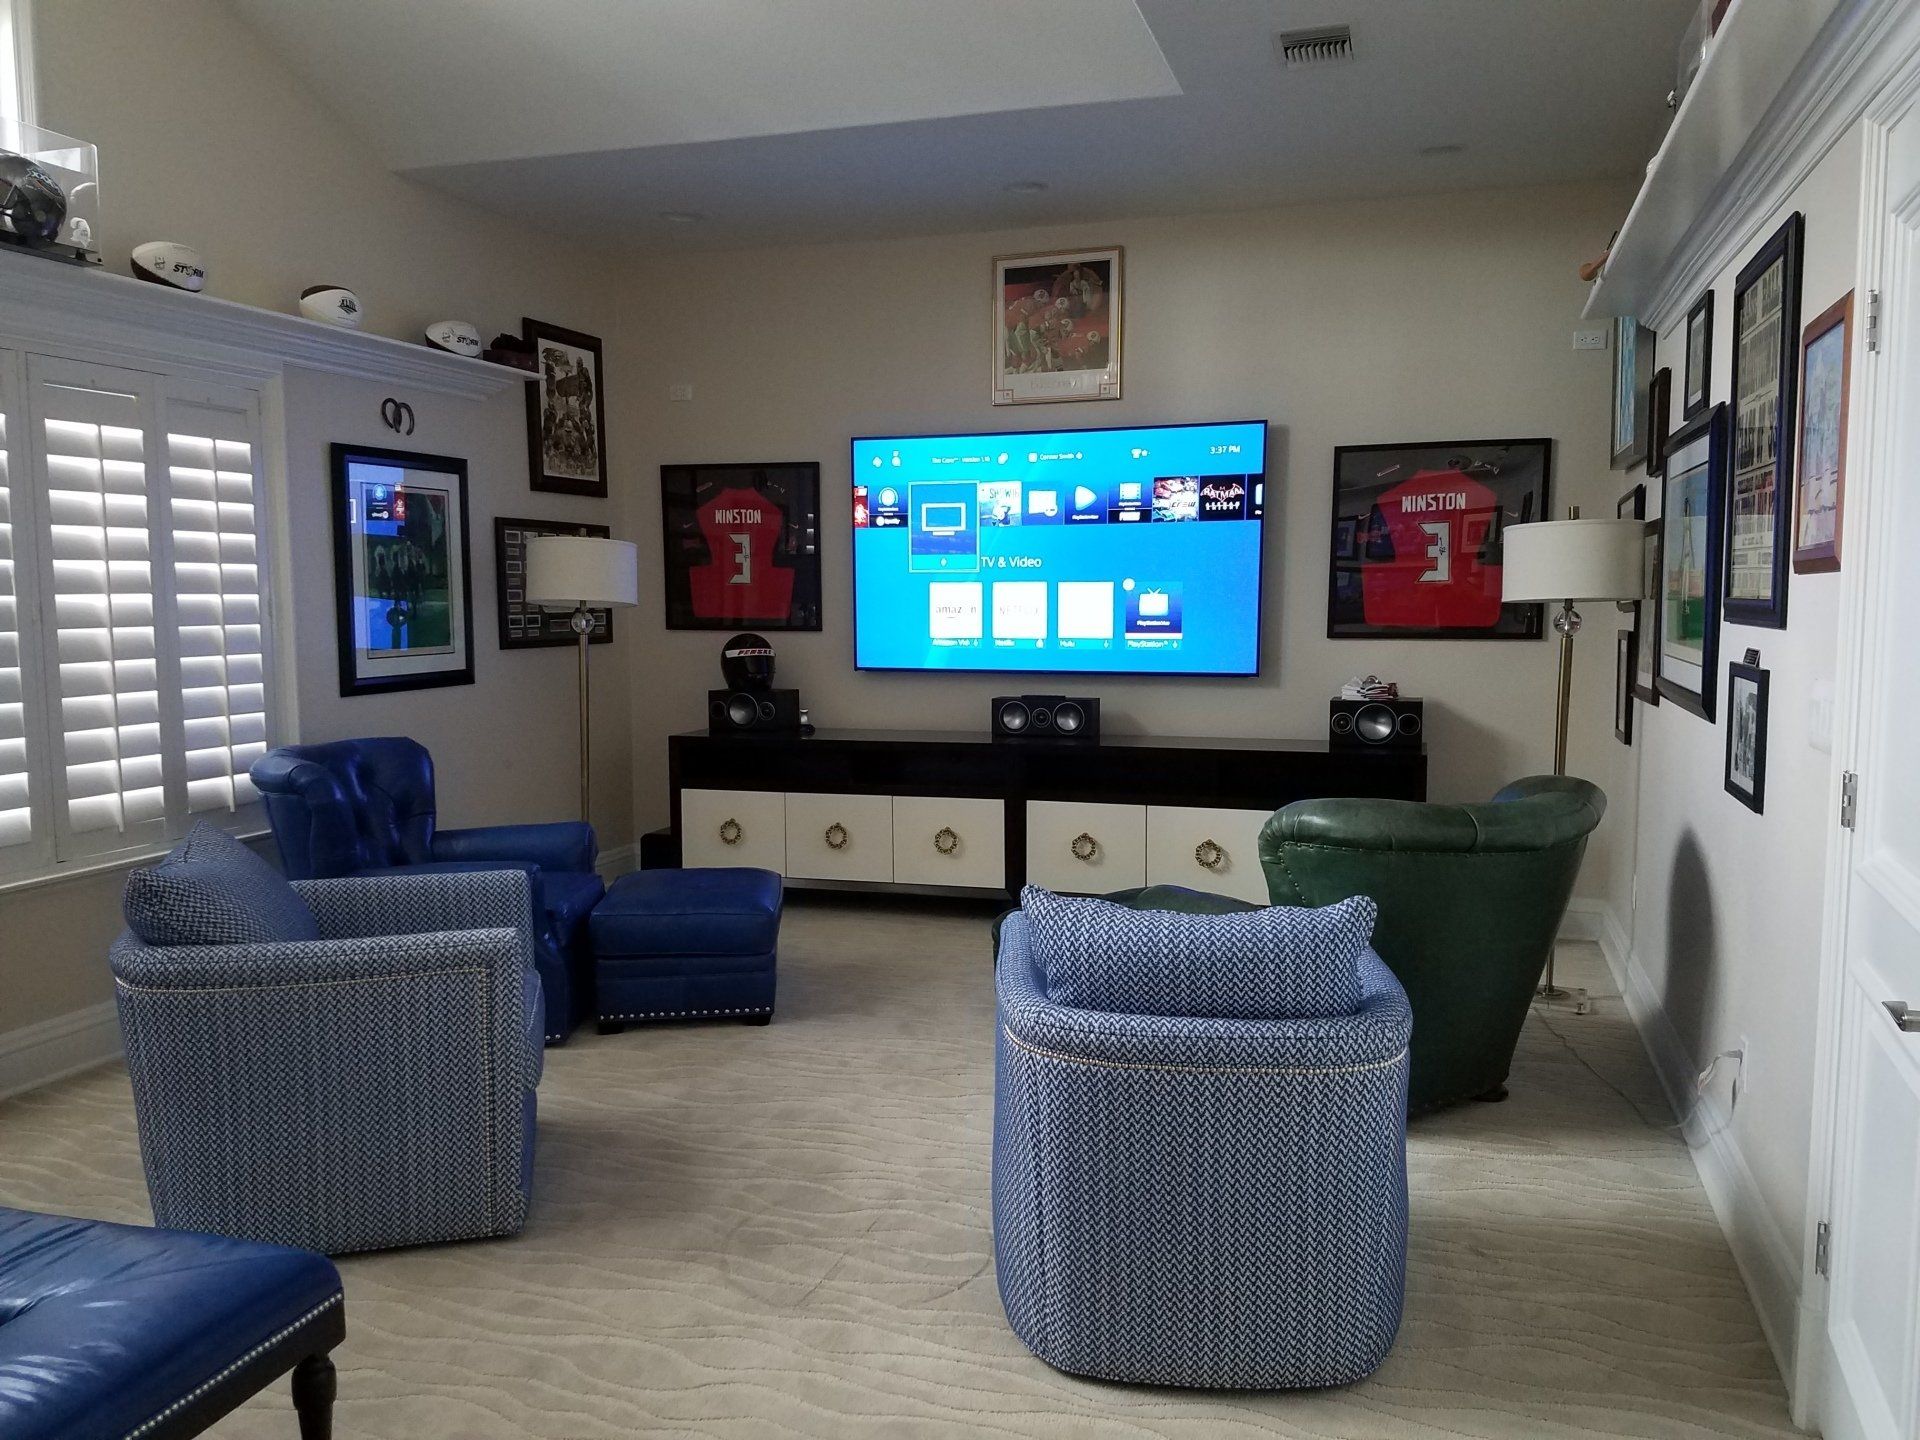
(135, 687)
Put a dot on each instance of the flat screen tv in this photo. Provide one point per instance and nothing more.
(1076, 552)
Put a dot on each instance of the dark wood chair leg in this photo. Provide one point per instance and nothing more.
(610, 1027)
(314, 1386)
(757, 1020)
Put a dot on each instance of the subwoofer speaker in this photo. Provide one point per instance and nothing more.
(730, 712)
(1046, 717)
(1376, 724)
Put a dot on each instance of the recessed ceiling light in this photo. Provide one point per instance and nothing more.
(1450, 148)
(681, 217)
(1025, 187)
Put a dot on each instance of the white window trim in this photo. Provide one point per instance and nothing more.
(18, 94)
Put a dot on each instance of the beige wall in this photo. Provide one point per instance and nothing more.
(1419, 319)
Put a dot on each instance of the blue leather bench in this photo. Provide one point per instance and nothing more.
(112, 1332)
(686, 944)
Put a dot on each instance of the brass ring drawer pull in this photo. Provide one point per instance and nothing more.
(1085, 847)
(945, 840)
(730, 832)
(836, 836)
(1209, 855)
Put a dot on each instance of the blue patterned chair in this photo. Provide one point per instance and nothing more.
(366, 807)
(1199, 1202)
(348, 1066)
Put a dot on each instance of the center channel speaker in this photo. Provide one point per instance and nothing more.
(730, 712)
(1046, 717)
(1376, 724)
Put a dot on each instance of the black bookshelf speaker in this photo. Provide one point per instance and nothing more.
(731, 712)
(1046, 717)
(1376, 724)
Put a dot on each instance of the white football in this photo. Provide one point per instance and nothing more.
(334, 304)
(454, 335)
(168, 262)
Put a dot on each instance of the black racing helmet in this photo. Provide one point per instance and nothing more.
(746, 663)
(33, 207)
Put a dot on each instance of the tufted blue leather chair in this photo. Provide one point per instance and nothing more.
(366, 807)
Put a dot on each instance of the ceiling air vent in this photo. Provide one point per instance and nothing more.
(1306, 49)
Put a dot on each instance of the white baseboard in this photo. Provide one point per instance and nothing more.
(37, 1055)
(1768, 1262)
(616, 862)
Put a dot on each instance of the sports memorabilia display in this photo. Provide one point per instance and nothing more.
(1692, 536)
(1826, 373)
(1056, 327)
(33, 205)
(1747, 736)
(403, 594)
(1766, 336)
(529, 627)
(1698, 370)
(566, 411)
(331, 305)
(1632, 376)
(1417, 534)
(456, 337)
(168, 262)
(742, 546)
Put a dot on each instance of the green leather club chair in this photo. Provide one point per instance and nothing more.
(1471, 898)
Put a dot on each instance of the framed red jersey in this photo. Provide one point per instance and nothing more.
(1417, 535)
(742, 546)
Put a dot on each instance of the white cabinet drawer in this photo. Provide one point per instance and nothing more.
(1112, 855)
(1181, 841)
(938, 840)
(840, 837)
(734, 827)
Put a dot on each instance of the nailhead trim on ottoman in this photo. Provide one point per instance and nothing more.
(690, 1014)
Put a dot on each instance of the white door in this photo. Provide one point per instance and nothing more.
(1873, 1314)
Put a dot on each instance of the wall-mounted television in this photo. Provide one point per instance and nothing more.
(1130, 550)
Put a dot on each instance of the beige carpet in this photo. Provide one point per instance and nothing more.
(783, 1231)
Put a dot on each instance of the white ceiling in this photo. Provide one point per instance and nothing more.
(832, 119)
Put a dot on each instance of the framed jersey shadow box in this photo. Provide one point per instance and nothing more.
(742, 546)
(1417, 535)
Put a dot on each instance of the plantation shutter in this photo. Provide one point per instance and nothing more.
(24, 837)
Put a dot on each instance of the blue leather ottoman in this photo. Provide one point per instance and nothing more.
(686, 945)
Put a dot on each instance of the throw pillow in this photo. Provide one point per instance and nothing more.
(213, 890)
(1279, 963)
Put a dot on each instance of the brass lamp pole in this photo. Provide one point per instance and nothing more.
(582, 573)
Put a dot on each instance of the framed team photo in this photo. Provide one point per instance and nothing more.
(1057, 326)
(532, 627)
(1825, 376)
(566, 412)
(1747, 736)
(1766, 373)
(742, 546)
(1691, 538)
(1417, 534)
(1632, 379)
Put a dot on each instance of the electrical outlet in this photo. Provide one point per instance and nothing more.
(1593, 339)
(680, 392)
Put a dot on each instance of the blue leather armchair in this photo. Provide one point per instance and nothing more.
(366, 807)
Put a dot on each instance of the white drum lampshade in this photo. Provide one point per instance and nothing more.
(564, 571)
(1571, 560)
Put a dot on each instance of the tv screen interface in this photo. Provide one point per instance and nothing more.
(1070, 551)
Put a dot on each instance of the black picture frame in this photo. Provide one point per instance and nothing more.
(1633, 504)
(1659, 417)
(1518, 473)
(1764, 411)
(373, 669)
(778, 502)
(1625, 643)
(533, 627)
(1747, 687)
(566, 453)
(1696, 386)
(1646, 654)
(1633, 345)
(1695, 481)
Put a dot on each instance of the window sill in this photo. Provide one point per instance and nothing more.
(105, 865)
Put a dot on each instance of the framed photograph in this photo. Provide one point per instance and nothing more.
(1646, 650)
(1417, 533)
(566, 412)
(1826, 377)
(1747, 736)
(1623, 668)
(1697, 376)
(1659, 417)
(742, 546)
(403, 594)
(531, 627)
(1692, 537)
(1766, 371)
(1632, 505)
(1056, 326)
(1632, 376)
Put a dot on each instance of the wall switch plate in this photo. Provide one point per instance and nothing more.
(680, 392)
(1595, 339)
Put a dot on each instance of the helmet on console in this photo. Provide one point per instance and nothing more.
(746, 663)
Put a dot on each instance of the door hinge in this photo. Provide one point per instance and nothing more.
(1849, 799)
(1822, 1247)
(1873, 321)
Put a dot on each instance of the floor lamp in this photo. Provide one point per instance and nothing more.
(1567, 561)
(582, 573)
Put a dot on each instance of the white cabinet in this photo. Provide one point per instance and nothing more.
(839, 837)
(1214, 850)
(1084, 847)
(734, 827)
(938, 840)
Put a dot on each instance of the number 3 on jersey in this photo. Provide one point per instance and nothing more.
(1440, 552)
(742, 558)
